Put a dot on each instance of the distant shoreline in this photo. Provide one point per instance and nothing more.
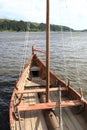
(7, 25)
(19, 26)
(8, 31)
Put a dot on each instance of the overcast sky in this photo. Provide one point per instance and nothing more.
(71, 13)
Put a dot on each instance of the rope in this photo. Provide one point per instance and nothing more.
(66, 3)
(24, 54)
(64, 57)
(65, 70)
(65, 66)
(26, 43)
(74, 51)
(20, 125)
(60, 110)
(76, 57)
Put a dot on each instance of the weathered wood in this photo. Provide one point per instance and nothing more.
(51, 120)
(34, 49)
(47, 50)
(49, 105)
(33, 119)
(40, 90)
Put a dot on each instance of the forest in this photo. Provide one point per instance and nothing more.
(19, 26)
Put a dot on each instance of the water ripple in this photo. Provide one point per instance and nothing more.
(68, 60)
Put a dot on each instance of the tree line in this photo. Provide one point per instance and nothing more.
(13, 25)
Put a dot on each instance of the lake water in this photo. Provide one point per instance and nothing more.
(68, 60)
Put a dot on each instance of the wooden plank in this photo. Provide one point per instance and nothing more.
(40, 90)
(32, 114)
(50, 105)
(33, 119)
(27, 119)
(71, 121)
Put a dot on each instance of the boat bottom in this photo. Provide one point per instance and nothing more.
(34, 120)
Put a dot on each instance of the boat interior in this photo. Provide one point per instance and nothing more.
(32, 112)
(42, 101)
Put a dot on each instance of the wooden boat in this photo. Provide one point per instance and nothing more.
(28, 104)
(42, 101)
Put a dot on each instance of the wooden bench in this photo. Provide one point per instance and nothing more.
(50, 105)
(40, 90)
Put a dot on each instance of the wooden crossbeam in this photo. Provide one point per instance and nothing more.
(50, 105)
(39, 90)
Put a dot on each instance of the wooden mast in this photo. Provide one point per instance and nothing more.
(47, 49)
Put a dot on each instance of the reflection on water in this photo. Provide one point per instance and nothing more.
(68, 60)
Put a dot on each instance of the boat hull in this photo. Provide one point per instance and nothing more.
(27, 111)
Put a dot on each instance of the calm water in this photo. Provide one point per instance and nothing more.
(68, 60)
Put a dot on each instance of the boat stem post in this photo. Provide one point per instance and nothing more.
(47, 50)
(81, 93)
(68, 82)
(32, 49)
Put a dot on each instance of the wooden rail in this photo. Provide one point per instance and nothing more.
(50, 105)
(40, 90)
(34, 49)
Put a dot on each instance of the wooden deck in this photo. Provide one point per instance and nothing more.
(71, 121)
(34, 120)
(31, 120)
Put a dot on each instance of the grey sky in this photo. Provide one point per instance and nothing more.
(71, 13)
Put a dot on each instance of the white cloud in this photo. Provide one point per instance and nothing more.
(25, 9)
(75, 13)
(66, 12)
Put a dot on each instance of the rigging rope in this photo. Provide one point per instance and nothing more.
(76, 57)
(19, 119)
(24, 54)
(64, 57)
(75, 51)
(65, 65)
(60, 110)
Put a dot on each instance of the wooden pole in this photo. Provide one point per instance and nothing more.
(47, 49)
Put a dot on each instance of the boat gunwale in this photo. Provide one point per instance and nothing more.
(70, 89)
(78, 96)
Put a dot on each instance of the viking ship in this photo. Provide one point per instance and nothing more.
(42, 101)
